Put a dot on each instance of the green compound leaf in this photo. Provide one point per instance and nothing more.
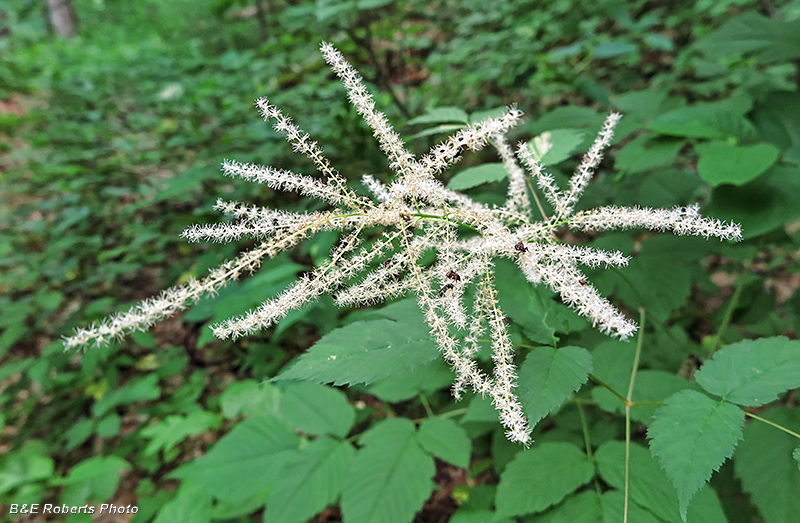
(390, 478)
(764, 464)
(245, 462)
(541, 477)
(692, 435)
(752, 372)
(316, 409)
(365, 351)
(446, 440)
(721, 163)
(311, 479)
(474, 176)
(549, 377)
(650, 488)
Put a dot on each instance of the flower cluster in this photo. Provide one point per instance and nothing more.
(416, 213)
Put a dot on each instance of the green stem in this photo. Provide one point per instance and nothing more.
(628, 404)
(426, 405)
(607, 387)
(587, 441)
(772, 423)
(726, 320)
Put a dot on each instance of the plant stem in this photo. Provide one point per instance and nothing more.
(587, 441)
(772, 423)
(628, 404)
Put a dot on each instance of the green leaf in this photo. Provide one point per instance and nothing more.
(390, 478)
(409, 383)
(581, 508)
(752, 372)
(549, 377)
(763, 205)
(249, 398)
(645, 153)
(139, 390)
(190, 505)
(245, 462)
(649, 486)
(693, 435)
(95, 479)
(311, 479)
(553, 147)
(443, 438)
(316, 409)
(478, 175)
(778, 121)
(441, 115)
(796, 456)
(365, 351)
(721, 162)
(713, 120)
(529, 483)
(174, 429)
(614, 49)
(764, 464)
(27, 465)
(478, 516)
(612, 505)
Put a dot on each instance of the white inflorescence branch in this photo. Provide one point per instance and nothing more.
(418, 214)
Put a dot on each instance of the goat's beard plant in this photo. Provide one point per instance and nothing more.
(416, 213)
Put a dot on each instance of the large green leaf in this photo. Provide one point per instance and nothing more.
(580, 508)
(173, 429)
(649, 486)
(249, 398)
(441, 115)
(553, 147)
(752, 372)
(245, 462)
(777, 118)
(311, 479)
(390, 478)
(541, 477)
(651, 386)
(446, 440)
(796, 456)
(365, 351)
(612, 504)
(28, 464)
(316, 409)
(764, 463)
(721, 162)
(548, 377)
(693, 435)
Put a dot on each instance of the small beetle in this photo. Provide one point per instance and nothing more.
(520, 247)
(445, 288)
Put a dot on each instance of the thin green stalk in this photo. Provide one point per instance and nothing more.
(587, 441)
(426, 405)
(726, 319)
(772, 423)
(628, 404)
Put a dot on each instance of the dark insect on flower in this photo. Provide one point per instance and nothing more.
(583, 281)
(387, 261)
(405, 217)
(520, 247)
(453, 275)
(444, 289)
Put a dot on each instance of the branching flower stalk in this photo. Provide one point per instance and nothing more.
(416, 214)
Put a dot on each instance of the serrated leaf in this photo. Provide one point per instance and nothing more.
(764, 464)
(649, 486)
(549, 377)
(245, 462)
(541, 477)
(311, 479)
(478, 175)
(721, 162)
(390, 478)
(409, 383)
(249, 398)
(693, 435)
(365, 351)
(553, 147)
(190, 504)
(752, 372)
(443, 438)
(316, 409)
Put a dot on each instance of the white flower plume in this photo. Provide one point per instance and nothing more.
(417, 214)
